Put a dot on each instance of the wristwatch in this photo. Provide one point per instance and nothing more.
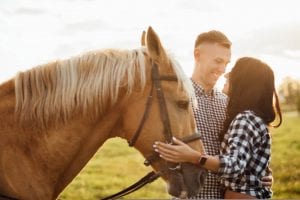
(202, 160)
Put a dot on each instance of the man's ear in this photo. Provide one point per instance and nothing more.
(196, 54)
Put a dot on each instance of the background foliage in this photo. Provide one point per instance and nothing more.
(116, 166)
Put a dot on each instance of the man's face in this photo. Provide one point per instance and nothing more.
(211, 59)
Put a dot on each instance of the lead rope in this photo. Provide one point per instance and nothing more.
(150, 177)
(3, 197)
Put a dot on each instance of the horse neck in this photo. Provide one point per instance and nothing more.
(83, 148)
(39, 165)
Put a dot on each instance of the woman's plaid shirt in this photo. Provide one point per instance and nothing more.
(245, 155)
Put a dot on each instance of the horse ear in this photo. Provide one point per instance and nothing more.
(143, 42)
(155, 49)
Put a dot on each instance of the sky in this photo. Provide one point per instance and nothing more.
(34, 32)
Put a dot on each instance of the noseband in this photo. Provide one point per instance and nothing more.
(156, 83)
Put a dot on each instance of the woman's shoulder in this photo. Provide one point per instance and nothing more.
(251, 120)
(249, 115)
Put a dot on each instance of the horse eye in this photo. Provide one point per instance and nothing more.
(183, 104)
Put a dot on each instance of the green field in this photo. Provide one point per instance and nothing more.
(116, 166)
(286, 158)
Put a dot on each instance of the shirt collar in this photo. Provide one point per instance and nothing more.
(199, 90)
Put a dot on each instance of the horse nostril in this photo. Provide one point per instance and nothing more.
(176, 168)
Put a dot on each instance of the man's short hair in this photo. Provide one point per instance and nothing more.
(213, 36)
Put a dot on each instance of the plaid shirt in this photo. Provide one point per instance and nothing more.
(245, 155)
(210, 115)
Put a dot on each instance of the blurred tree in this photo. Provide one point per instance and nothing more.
(289, 92)
(298, 105)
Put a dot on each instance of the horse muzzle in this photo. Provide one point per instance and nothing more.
(186, 181)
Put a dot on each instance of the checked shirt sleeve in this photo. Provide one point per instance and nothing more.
(238, 151)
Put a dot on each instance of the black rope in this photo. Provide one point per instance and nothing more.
(150, 177)
(3, 197)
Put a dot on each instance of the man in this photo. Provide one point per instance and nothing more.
(212, 53)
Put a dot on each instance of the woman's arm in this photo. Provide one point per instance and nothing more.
(230, 164)
(183, 153)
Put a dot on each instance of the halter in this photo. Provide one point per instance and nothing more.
(150, 177)
(156, 82)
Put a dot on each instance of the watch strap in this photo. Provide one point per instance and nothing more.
(202, 160)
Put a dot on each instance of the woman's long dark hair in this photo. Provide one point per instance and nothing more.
(252, 87)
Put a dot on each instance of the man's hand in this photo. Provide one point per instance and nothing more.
(267, 181)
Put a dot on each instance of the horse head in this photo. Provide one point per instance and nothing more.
(159, 112)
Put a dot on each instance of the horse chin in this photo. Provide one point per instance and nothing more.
(194, 178)
(176, 186)
(188, 183)
(183, 195)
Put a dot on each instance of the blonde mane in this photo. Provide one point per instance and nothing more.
(86, 84)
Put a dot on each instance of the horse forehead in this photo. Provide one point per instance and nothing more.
(164, 64)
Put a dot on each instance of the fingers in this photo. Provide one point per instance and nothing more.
(266, 184)
(163, 148)
(267, 181)
(168, 152)
(165, 151)
(168, 157)
(267, 178)
(160, 146)
(177, 141)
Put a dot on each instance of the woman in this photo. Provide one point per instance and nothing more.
(246, 146)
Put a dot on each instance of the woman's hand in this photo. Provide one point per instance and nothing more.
(180, 152)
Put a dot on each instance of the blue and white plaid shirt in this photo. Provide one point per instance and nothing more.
(209, 116)
(245, 155)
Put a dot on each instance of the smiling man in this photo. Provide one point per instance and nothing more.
(212, 53)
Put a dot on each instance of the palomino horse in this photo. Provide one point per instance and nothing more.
(54, 117)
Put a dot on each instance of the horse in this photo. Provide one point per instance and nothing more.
(55, 116)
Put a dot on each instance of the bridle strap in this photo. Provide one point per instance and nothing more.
(165, 78)
(191, 138)
(162, 104)
(145, 116)
(156, 78)
(150, 177)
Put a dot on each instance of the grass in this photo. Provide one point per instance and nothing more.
(286, 158)
(116, 166)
